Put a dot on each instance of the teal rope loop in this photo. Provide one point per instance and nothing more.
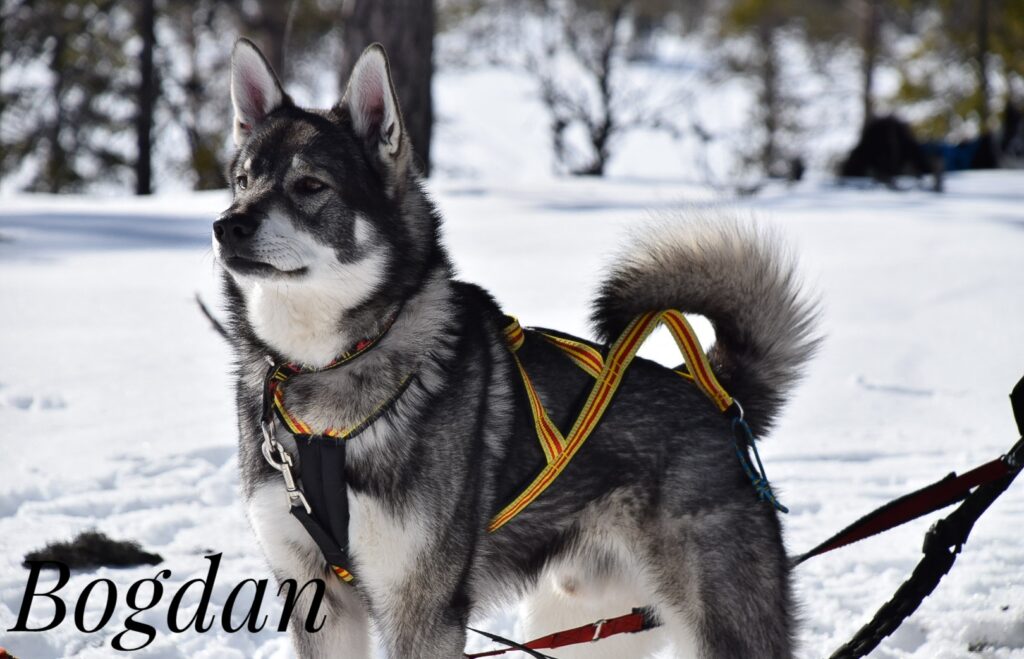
(758, 477)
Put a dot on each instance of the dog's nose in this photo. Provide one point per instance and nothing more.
(234, 228)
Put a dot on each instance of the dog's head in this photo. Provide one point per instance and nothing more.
(326, 204)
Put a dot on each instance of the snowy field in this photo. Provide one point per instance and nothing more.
(117, 412)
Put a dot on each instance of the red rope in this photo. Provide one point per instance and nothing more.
(637, 621)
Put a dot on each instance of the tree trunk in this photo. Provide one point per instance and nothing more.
(3, 97)
(146, 101)
(57, 165)
(602, 128)
(406, 30)
(870, 52)
(770, 95)
(206, 163)
(983, 91)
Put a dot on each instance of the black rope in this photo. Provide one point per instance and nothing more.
(214, 322)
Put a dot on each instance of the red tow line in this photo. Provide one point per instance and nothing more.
(637, 621)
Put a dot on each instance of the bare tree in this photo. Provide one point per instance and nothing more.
(869, 40)
(590, 36)
(65, 123)
(581, 72)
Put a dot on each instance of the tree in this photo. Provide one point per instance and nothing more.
(406, 30)
(591, 35)
(67, 128)
(989, 33)
(870, 37)
(581, 63)
(761, 23)
(146, 101)
(196, 103)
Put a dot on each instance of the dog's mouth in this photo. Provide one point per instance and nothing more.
(252, 267)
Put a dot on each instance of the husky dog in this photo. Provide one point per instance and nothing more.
(330, 239)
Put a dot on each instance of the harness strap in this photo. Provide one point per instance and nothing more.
(559, 449)
(909, 507)
(640, 619)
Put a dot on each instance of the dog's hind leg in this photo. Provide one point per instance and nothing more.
(722, 577)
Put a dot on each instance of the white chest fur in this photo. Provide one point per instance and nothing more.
(385, 547)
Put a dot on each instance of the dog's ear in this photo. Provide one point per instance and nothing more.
(371, 102)
(255, 89)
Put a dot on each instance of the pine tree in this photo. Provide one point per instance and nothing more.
(70, 126)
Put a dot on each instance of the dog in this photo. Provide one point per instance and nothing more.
(330, 242)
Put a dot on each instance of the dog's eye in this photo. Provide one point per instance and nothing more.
(242, 181)
(309, 185)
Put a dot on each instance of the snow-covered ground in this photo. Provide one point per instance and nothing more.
(116, 409)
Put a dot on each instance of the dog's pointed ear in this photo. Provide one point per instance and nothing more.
(371, 101)
(255, 89)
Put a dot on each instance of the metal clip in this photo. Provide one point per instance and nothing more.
(295, 495)
(597, 632)
(268, 445)
(283, 463)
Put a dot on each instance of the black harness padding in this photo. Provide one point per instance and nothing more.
(322, 461)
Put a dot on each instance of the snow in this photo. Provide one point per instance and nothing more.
(116, 405)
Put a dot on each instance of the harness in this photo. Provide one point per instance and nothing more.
(324, 514)
(316, 503)
(608, 371)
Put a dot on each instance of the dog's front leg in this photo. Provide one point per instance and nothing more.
(413, 578)
(420, 627)
(336, 629)
(331, 625)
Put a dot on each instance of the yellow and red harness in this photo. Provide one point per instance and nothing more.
(607, 371)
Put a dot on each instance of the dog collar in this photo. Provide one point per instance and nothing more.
(277, 375)
(361, 346)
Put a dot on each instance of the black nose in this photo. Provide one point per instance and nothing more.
(234, 228)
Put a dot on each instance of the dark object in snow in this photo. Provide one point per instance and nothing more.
(979, 153)
(1011, 143)
(887, 149)
(796, 169)
(94, 549)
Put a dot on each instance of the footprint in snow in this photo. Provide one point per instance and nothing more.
(22, 400)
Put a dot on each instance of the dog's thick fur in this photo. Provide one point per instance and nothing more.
(328, 235)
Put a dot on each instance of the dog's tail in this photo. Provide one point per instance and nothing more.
(738, 277)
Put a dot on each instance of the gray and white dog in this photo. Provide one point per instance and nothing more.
(329, 239)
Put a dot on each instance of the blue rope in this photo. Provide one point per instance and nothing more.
(758, 477)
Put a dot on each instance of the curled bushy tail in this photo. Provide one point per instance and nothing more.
(738, 277)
